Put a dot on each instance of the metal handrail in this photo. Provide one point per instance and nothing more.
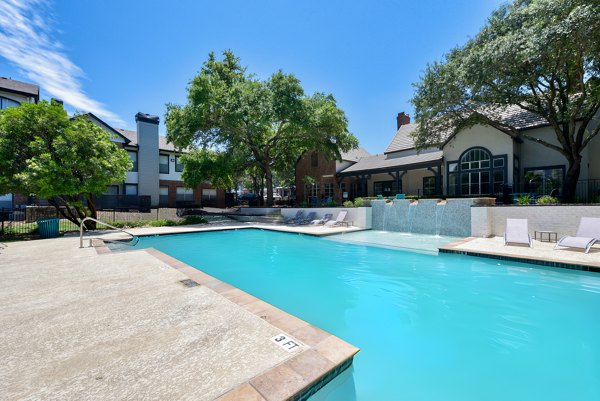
(106, 224)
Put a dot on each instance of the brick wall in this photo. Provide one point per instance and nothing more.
(172, 184)
(323, 171)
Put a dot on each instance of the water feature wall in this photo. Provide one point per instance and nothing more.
(425, 216)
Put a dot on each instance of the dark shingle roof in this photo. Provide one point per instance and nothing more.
(19, 87)
(519, 118)
(384, 161)
(132, 136)
(511, 115)
(355, 155)
(402, 140)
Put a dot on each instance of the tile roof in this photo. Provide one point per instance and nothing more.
(355, 154)
(518, 118)
(18, 86)
(384, 161)
(511, 115)
(132, 136)
(402, 140)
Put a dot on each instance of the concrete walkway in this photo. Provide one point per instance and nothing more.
(82, 325)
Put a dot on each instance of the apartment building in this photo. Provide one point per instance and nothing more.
(12, 94)
(156, 168)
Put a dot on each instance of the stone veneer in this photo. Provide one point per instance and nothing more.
(426, 216)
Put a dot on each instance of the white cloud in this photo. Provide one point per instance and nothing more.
(26, 40)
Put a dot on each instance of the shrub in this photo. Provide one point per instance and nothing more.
(547, 200)
(523, 200)
(358, 202)
(348, 204)
(162, 223)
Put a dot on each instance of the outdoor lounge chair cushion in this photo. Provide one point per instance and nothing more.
(296, 219)
(309, 218)
(587, 235)
(517, 232)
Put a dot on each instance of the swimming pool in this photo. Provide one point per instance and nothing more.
(430, 327)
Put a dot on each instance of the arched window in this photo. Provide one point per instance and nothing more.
(475, 159)
(476, 173)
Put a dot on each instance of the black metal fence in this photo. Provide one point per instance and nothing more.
(22, 222)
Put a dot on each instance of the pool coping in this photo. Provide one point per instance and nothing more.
(558, 263)
(325, 356)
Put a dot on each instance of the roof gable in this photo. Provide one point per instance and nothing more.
(402, 139)
(23, 88)
(96, 120)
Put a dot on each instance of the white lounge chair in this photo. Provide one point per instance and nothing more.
(339, 219)
(517, 232)
(587, 235)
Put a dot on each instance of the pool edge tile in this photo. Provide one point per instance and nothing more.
(333, 354)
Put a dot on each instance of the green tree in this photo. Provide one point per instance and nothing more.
(67, 161)
(271, 120)
(222, 169)
(539, 56)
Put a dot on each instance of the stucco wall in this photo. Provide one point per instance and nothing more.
(490, 138)
(536, 155)
(491, 221)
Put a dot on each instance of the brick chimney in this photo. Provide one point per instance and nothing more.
(402, 119)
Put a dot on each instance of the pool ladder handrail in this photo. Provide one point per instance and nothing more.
(81, 226)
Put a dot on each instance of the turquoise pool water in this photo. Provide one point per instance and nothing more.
(430, 327)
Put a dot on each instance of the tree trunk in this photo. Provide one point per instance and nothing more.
(269, 183)
(91, 225)
(571, 178)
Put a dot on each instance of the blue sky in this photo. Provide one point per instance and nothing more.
(116, 57)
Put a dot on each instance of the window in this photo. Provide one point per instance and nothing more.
(542, 180)
(429, 186)
(133, 157)
(313, 190)
(6, 103)
(164, 164)
(475, 159)
(130, 189)
(163, 195)
(178, 164)
(328, 190)
(186, 194)
(384, 188)
(209, 196)
(314, 159)
(476, 173)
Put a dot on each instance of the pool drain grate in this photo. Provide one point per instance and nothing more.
(189, 283)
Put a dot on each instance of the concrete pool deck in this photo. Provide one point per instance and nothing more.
(81, 324)
(542, 253)
(95, 324)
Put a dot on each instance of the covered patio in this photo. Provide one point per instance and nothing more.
(419, 174)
